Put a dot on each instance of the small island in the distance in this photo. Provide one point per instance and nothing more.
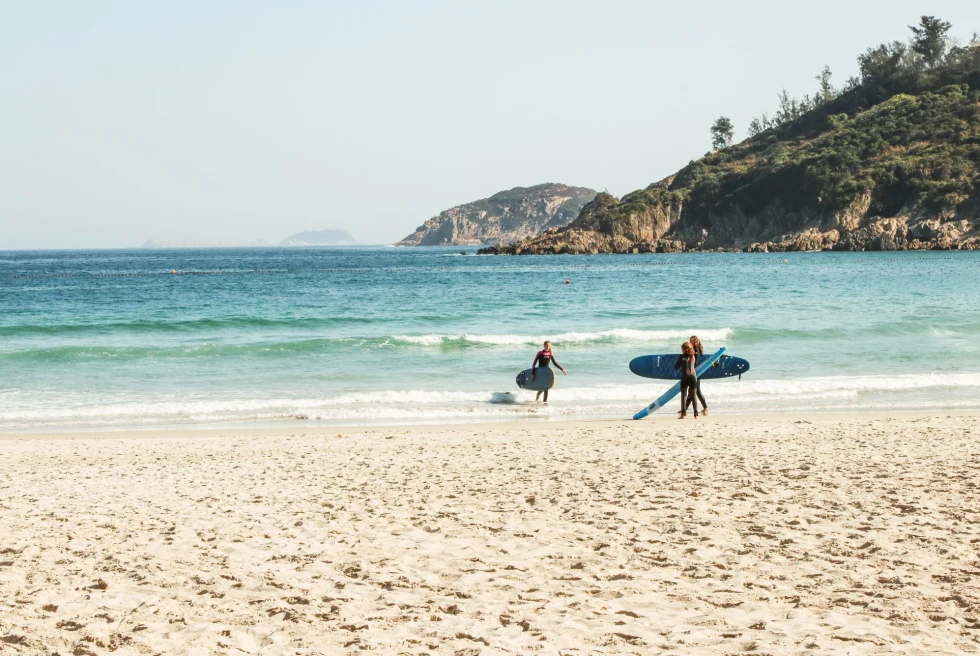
(891, 161)
(163, 244)
(330, 237)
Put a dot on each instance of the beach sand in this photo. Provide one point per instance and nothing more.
(779, 535)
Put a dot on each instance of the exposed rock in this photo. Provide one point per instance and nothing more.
(507, 216)
(670, 246)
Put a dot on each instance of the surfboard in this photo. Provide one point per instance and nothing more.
(544, 379)
(661, 367)
(676, 389)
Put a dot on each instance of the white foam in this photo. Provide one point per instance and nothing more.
(851, 384)
(616, 334)
(816, 393)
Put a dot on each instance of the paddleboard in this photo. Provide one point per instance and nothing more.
(661, 367)
(544, 379)
(676, 389)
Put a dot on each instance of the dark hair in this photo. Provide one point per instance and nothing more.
(696, 345)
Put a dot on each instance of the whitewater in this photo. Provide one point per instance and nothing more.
(341, 336)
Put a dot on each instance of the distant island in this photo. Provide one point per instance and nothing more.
(161, 243)
(330, 237)
(891, 161)
(507, 216)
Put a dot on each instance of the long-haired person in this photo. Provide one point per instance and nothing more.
(687, 363)
(698, 353)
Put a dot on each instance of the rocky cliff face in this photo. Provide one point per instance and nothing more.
(899, 174)
(507, 216)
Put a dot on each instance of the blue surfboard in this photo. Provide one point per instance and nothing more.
(662, 367)
(676, 389)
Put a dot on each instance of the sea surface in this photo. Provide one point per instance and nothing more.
(375, 335)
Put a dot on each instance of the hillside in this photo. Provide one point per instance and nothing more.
(506, 216)
(892, 163)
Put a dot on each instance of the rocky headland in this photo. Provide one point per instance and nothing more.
(507, 216)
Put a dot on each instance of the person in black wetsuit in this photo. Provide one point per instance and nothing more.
(687, 362)
(544, 358)
(699, 353)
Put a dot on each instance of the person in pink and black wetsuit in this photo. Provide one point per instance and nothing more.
(544, 358)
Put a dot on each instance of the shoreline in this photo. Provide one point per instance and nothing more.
(267, 429)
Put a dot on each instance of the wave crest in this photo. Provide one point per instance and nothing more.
(609, 336)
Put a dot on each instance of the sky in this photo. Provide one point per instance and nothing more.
(245, 120)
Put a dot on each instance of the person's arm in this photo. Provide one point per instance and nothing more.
(534, 365)
(680, 362)
(558, 365)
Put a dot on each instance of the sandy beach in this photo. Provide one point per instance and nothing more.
(779, 535)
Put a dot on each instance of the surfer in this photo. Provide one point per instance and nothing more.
(698, 353)
(687, 362)
(545, 357)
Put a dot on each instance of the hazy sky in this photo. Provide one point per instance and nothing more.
(239, 120)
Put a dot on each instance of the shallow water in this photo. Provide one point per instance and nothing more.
(110, 338)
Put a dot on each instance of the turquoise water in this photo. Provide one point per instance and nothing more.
(112, 338)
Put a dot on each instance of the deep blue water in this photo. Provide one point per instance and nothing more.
(97, 338)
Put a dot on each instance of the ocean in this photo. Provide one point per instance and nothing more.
(154, 338)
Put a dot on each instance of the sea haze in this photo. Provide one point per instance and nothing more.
(355, 335)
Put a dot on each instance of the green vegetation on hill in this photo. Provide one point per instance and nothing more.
(892, 162)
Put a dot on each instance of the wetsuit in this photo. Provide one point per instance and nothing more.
(545, 358)
(697, 390)
(689, 380)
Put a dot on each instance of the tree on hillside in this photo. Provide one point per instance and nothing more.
(791, 108)
(761, 124)
(931, 39)
(825, 90)
(883, 62)
(722, 133)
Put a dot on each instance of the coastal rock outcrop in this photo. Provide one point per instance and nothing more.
(507, 216)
